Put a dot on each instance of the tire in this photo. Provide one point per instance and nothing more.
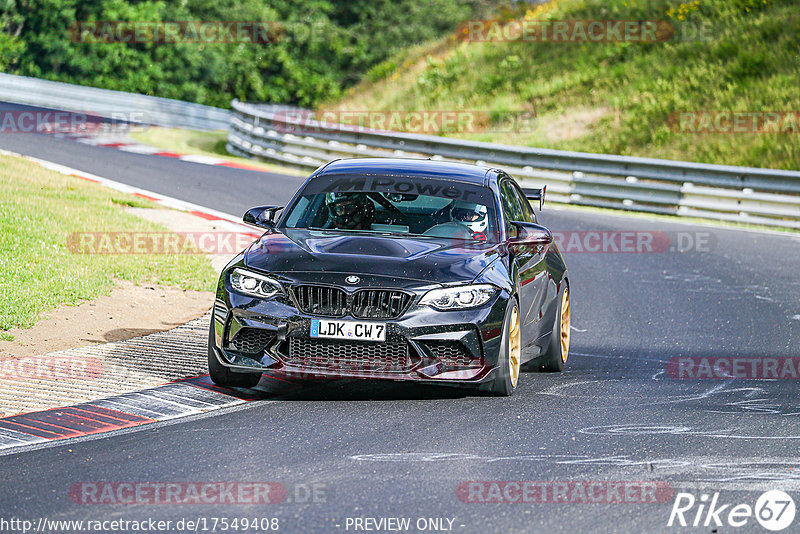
(557, 352)
(506, 377)
(221, 375)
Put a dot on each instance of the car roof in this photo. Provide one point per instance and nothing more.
(424, 168)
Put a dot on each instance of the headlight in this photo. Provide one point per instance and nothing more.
(254, 284)
(459, 297)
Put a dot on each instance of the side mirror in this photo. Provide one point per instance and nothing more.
(262, 216)
(530, 234)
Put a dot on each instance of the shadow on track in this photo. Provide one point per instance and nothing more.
(356, 390)
(283, 388)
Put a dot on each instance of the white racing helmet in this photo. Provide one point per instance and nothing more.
(473, 216)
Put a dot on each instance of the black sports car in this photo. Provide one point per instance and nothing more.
(395, 269)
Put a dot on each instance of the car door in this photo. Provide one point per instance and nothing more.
(543, 288)
(527, 259)
(533, 279)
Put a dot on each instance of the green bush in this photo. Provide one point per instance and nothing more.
(324, 46)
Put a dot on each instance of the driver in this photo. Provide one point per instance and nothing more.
(349, 211)
(473, 216)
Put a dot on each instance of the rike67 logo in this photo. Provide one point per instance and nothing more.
(774, 510)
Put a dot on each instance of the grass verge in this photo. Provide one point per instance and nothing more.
(39, 209)
(615, 97)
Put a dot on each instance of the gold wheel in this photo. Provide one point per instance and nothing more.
(514, 347)
(566, 322)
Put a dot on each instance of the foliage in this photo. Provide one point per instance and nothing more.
(618, 97)
(322, 46)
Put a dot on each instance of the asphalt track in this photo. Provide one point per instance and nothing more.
(384, 450)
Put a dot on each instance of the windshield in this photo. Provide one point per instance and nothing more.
(392, 205)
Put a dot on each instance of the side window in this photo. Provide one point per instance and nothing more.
(527, 211)
(512, 208)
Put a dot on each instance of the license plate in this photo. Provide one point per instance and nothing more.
(348, 330)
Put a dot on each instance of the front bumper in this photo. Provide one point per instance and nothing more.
(273, 336)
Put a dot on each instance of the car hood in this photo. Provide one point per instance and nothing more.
(410, 259)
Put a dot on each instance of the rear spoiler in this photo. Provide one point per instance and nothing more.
(536, 194)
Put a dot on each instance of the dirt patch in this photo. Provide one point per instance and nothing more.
(573, 124)
(129, 311)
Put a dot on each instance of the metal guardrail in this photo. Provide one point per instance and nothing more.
(111, 104)
(744, 194)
